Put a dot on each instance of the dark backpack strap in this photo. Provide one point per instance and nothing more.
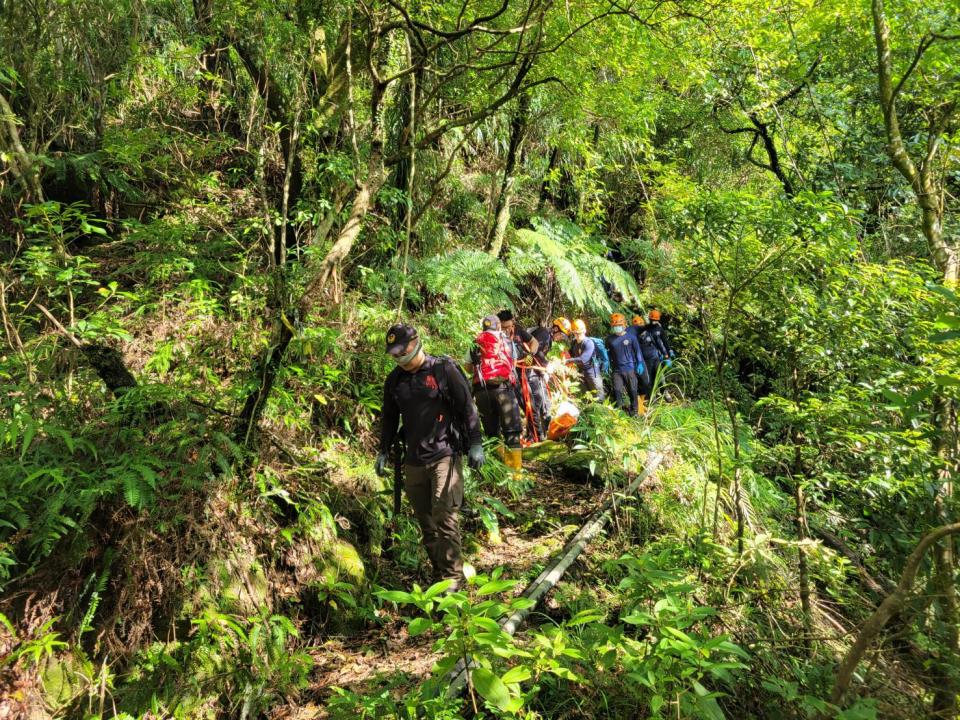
(441, 370)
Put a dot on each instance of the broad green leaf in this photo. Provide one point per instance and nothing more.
(419, 625)
(516, 674)
(395, 596)
(491, 688)
(495, 586)
(437, 588)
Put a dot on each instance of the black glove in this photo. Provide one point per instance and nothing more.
(475, 457)
(380, 464)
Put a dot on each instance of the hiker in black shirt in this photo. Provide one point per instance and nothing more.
(537, 376)
(432, 397)
(523, 345)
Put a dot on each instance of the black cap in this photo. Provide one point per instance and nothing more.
(505, 315)
(399, 336)
(491, 322)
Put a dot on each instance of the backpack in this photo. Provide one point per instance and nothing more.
(460, 438)
(492, 358)
(600, 355)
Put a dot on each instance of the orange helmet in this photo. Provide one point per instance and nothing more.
(562, 324)
(654, 315)
(618, 319)
(638, 320)
(579, 326)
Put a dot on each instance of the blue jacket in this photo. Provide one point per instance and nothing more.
(581, 355)
(624, 352)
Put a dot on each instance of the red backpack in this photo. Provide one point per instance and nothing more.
(493, 358)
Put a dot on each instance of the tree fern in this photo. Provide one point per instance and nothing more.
(475, 284)
(578, 261)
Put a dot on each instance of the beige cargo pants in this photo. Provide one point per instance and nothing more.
(436, 494)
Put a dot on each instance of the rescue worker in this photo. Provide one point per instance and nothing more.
(660, 337)
(432, 398)
(537, 375)
(626, 360)
(650, 354)
(524, 342)
(583, 355)
(491, 363)
(522, 345)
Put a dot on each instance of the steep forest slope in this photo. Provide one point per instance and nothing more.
(211, 212)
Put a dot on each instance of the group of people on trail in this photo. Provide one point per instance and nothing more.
(632, 355)
(636, 354)
(444, 419)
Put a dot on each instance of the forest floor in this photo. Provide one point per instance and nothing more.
(554, 507)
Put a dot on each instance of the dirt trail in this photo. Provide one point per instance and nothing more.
(548, 514)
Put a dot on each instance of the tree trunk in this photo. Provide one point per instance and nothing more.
(350, 231)
(501, 215)
(892, 604)
(922, 179)
(945, 697)
(21, 165)
(267, 369)
(945, 256)
(545, 186)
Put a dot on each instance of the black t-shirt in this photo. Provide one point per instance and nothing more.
(427, 418)
(520, 338)
(544, 337)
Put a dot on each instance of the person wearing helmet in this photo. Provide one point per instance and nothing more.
(433, 399)
(660, 336)
(626, 361)
(649, 353)
(583, 356)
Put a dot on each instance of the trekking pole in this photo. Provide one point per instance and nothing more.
(397, 483)
(399, 446)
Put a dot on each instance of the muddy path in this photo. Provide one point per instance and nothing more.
(549, 512)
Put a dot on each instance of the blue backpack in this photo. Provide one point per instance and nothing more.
(600, 355)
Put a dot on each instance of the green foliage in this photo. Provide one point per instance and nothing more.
(577, 260)
(472, 282)
(43, 644)
(59, 472)
(470, 635)
(725, 163)
(248, 663)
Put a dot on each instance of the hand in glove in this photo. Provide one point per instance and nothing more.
(475, 457)
(640, 368)
(669, 362)
(380, 464)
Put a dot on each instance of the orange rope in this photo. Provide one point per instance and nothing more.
(531, 424)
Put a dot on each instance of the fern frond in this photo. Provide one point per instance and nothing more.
(578, 261)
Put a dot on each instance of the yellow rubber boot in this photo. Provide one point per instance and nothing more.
(514, 459)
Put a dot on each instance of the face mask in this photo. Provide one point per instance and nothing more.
(619, 329)
(405, 359)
